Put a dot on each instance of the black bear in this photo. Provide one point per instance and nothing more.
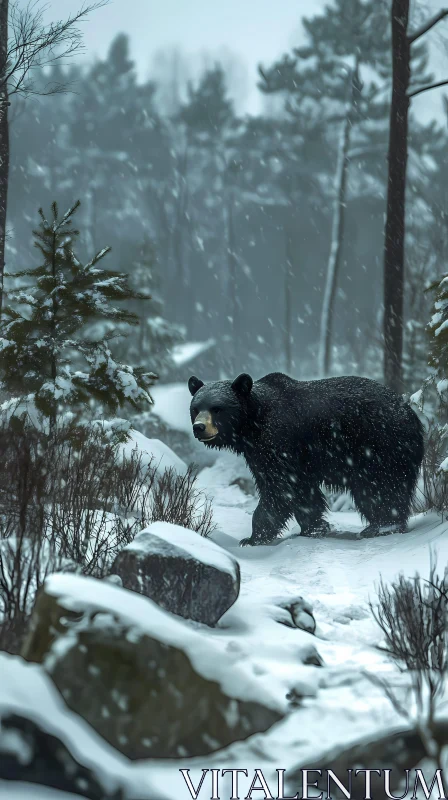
(349, 433)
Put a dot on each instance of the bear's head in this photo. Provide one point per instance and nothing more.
(219, 410)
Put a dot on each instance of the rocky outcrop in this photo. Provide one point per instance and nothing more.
(31, 754)
(151, 684)
(181, 571)
(397, 751)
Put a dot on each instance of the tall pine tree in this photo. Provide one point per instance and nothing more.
(345, 69)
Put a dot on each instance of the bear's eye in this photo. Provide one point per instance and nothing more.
(195, 412)
(215, 410)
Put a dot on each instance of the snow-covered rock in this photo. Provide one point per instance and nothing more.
(181, 571)
(43, 744)
(28, 752)
(149, 450)
(301, 614)
(152, 450)
(151, 684)
(393, 749)
(29, 791)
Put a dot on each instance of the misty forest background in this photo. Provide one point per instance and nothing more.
(229, 221)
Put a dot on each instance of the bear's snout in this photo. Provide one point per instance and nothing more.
(203, 427)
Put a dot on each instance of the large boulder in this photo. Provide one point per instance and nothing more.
(29, 753)
(153, 685)
(43, 744)
(396, 750)
(181, 571)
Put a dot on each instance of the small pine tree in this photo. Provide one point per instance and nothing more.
(438, 331)
(431, 401)
(44, 352)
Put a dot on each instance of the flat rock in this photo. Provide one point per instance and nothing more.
(181, 571)
(151, 684)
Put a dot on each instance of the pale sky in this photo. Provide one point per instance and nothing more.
(252, 31)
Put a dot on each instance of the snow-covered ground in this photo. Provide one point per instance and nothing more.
(337, 576)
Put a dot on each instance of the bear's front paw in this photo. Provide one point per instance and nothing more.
(246, 542)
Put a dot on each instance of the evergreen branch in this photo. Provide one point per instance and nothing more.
(96, 258)
(23, 298)
(427, 26)
(69, 214)
(427, 88)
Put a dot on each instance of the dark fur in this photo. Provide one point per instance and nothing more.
(349, 433)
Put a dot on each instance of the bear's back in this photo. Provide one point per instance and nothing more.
(347, 388)
(349, 398)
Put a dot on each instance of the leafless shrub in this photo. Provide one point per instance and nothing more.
(24, 565)
(146, 496)
(82, 492)
(176, 499)
(413, 616)
(71, 501)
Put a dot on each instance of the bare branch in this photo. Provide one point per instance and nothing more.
(33, 44)
(427, 88)
(427, 26)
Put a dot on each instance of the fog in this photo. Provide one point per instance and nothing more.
(180, 159)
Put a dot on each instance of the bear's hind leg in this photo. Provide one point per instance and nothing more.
(386, 509)
(309, 511)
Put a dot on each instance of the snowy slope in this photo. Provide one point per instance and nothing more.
(337, 576)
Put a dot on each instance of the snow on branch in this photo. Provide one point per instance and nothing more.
(427, 88)
(427, 26)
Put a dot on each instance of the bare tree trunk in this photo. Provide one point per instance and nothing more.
(232, 281)
(53, 324)
(396, 190)
(4, 140)
(180, 222)
(288, 304)
(90, 219)
(337, 230)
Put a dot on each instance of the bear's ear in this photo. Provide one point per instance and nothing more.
(194, 384)
(242, 384)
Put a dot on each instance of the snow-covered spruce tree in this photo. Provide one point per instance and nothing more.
(45, 355)
(438, 333)
(432, 403)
